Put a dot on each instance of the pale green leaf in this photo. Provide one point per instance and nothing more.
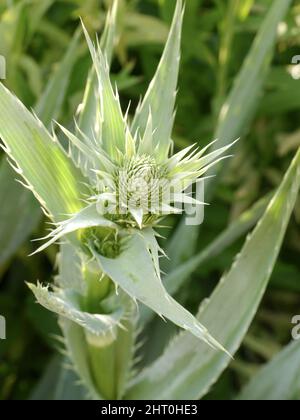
(174, 280)
(136, 271)
(89, 109)
(40, 161)
(77, 349)
(49, 105)
(19, 213)
(279, 379)
(14, 229)
(67, 303)
(161, 95)
(111, 133)
(187, 369)
(86, 218)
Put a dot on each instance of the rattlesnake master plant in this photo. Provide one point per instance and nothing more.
(118, 179)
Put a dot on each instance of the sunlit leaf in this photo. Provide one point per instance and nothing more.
(187, 369)
(38, 159)
(160, 98)
(136, 271)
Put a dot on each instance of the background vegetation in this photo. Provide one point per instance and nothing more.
(35, 36)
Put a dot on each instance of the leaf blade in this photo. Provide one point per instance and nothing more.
(88, 116)
(190, 368)
(40, 161)
(236, 115)
(278, 379)
(160, 97)
(136, 271)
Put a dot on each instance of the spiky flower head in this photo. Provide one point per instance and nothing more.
(134, 179)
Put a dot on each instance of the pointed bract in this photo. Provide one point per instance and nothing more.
(161, 95)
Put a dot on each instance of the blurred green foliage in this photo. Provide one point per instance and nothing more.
(34, 37)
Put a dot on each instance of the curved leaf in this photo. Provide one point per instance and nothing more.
(136, 271)
(279, 379)
(112, 128)
(12, 194)
(187, 369)
(86, 218)
(177, 277)
(89, 109)
(66, 303)
(40, 161)
(161, 95)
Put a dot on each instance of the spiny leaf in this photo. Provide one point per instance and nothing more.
(174, 280)
(41, 162)
(66, 303)
(112, 130)
(86, 218)
(161, 95)
(136, 271)
(89, 109)
(12, 194)
(187, 369)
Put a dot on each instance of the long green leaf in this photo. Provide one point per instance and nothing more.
(279, 379)
(89, 109)
(77, 349)
(188, 369)
(160, 98)
(111, 133)
(176, 279)
(66, 303)
(49, 105)
(14, 229)
(236, 114)
(136, 271)
(40, 161)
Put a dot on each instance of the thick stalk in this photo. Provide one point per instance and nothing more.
(109, 355)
